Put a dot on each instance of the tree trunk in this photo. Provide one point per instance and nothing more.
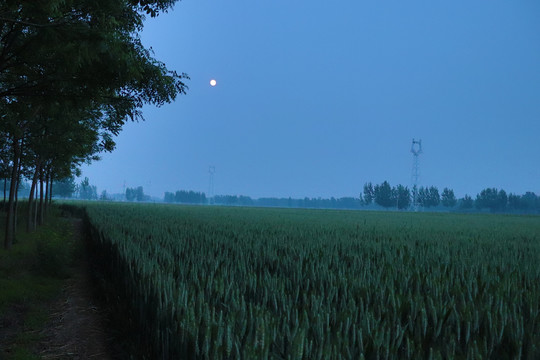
(17, 185)
(5, 183)
(46, 192)
(41, 196)
(35, 208)
(10, 228)
(31, 199)
(50, 190)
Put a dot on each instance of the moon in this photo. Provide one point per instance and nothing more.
(213, 82)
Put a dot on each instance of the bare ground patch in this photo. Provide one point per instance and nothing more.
(78, 326)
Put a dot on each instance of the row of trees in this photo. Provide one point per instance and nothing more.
(384, 195)
(23, 191)
(65, 188)
(499, 201)
(315, 203)
(490, 199)
(137, 194)
(72, 72)
(402, 198)
(185, 197)
(387, 196)
(192, 197)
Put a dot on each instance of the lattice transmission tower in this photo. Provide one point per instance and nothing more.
(416, 149)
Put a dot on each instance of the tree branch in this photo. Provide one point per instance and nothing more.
(28, 23)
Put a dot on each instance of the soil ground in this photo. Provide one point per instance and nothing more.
(78, 324)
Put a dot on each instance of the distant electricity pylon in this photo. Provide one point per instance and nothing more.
(211, 171)
(416, 149)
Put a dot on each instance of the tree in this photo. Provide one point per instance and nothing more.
(492, 199)
(514, 202)
(402, 197)
(74, 36)
(135, 194)
(502, 200)
(87, 191)
(130, 194)
(466, 203)
(169, 197)
(139, 193)
(428, 197)
(71, 74)
(434, 197)
(4, 164)
(422, 196)
(186, 197)
(65, 187)
(369, 194)
(448, 198)
(104, 196)
(529, 201)
(383, 195)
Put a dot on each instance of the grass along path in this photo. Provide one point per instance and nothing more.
(47, 307)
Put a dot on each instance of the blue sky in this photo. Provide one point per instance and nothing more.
(315, 98)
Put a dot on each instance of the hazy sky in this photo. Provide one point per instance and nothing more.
(315, 98)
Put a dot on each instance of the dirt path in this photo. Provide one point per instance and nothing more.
(78, 326)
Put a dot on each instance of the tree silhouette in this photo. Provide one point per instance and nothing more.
(448, 199)
(383, 195)
(71, 74)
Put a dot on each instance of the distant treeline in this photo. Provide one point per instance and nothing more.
(382, 196)
(332, 203)
(489, 199)
(22, 192)
(185, 197)
(136, 194)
